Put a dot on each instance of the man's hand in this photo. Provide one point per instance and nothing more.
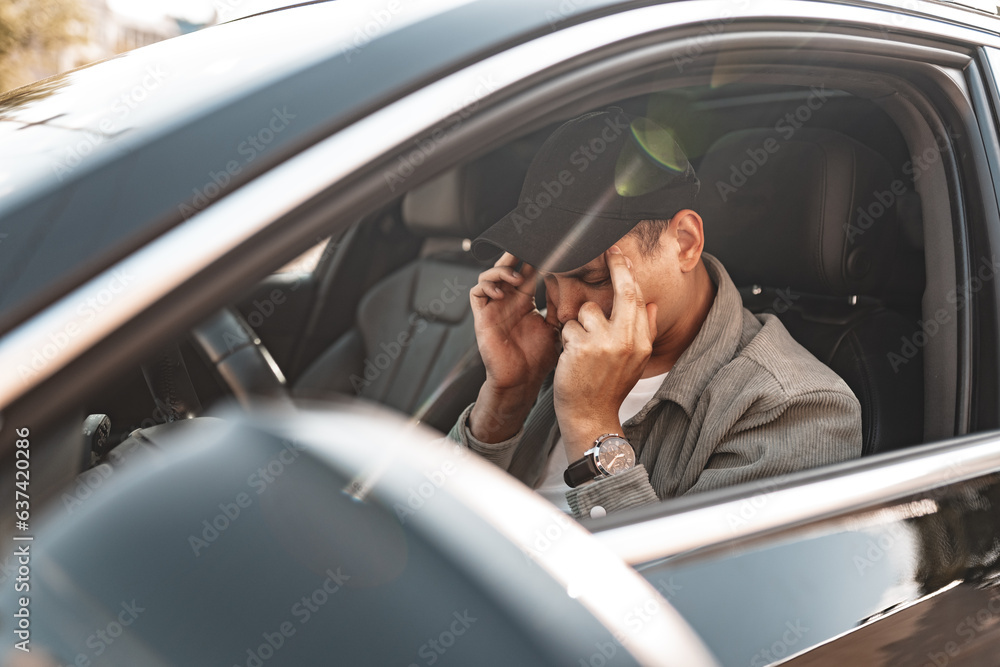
(519, 348)
(602, 359)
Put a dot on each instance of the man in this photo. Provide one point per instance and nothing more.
(663, 383)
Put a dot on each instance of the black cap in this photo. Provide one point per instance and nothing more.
(591, 182)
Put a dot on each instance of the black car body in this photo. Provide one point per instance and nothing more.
(212, 160)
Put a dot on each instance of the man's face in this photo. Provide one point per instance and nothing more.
(672, 277)
(566, 292)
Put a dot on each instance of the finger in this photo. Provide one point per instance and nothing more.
(531, 278)
(528, 271)
(507, 259)
(529, 284)
(628, 298)
(492, 281)
(487, 290)
(480, 294)
(642, 321)
(571, 331)
(645, 321)
(551, 312)
(501, 273)
(651, 316)
(591, 317)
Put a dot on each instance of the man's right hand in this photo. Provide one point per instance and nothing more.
(518, 346)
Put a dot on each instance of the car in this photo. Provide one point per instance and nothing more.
(234, 325)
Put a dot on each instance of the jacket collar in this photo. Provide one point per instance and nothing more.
(714, 346)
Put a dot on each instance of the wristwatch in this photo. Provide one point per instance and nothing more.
(610, 455)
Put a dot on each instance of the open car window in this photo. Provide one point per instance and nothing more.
(844, 186)
(388, 319)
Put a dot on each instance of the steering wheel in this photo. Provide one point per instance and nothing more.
(237, 353)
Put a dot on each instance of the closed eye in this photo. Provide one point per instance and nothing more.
(597, 283)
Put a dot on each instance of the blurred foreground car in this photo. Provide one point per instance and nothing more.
(278, 210)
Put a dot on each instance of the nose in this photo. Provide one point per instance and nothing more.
(565, 313)
(568, 304)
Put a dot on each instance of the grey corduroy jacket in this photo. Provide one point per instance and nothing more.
(743, 402)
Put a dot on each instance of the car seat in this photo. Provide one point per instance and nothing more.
(413, 345)
(808, 228)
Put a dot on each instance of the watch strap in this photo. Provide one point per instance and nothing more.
(580, 471)
(585, 469)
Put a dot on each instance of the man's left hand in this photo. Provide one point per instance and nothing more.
(602, 359)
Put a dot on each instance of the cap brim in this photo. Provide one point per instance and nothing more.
(557, 242)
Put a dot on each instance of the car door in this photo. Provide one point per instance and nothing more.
(891, 560)
(577, 65)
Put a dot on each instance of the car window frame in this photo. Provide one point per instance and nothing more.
(308, 214)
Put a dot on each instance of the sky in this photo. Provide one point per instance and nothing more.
(195, 11)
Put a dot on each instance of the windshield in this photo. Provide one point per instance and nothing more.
(112, 153)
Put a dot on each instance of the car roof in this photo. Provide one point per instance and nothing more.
(94, 162)
(97, 161)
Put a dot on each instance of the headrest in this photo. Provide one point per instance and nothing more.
(466, 200)
(435, 291)
(814, 211)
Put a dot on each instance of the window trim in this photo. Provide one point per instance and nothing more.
(323, 172)
(709, 522)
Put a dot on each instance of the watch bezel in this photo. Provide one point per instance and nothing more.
(595, 453)
(591, 462)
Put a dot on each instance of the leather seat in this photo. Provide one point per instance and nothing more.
(413, 346)
(808, 228)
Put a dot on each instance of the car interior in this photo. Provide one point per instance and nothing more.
(827, 232)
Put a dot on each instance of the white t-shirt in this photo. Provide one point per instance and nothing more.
(552, 485)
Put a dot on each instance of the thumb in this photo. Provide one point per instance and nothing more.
(651, 316)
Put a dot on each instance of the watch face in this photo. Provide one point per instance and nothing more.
(616, 455)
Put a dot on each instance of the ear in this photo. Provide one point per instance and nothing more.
(690, 238)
